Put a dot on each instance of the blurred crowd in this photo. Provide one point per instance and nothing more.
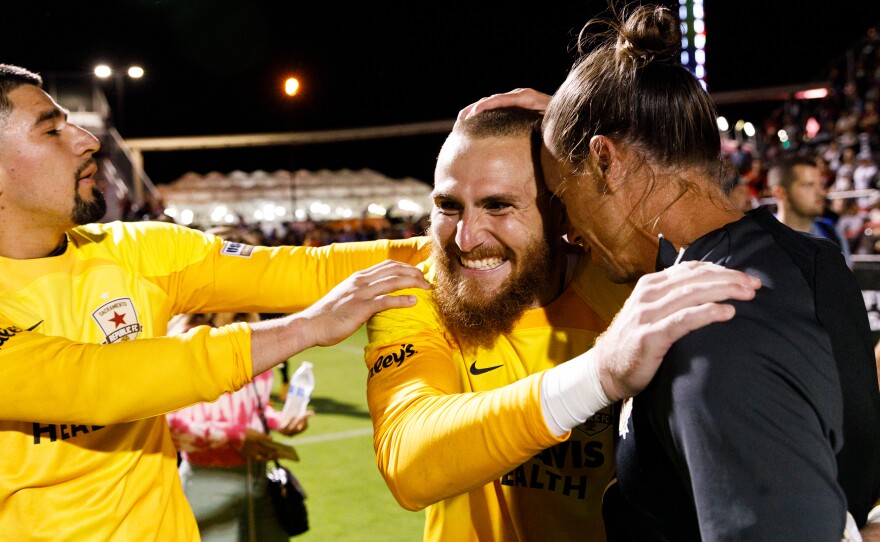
(313, 232)
(840, 132)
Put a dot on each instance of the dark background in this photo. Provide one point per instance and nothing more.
(216, 67)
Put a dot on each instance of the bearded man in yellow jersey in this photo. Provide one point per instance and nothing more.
(478, 415)
(74, 296)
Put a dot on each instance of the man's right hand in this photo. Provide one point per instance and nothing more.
(664, 307)
(353, 301)
(526, 98)
(335, 316)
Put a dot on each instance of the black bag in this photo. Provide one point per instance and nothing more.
(288, 498)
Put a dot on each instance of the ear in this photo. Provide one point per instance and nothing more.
(604, 153)
(779, 193)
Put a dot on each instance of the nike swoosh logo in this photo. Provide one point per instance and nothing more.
(476, 371)
(33, 327)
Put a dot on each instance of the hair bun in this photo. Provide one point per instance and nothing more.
(650, 34)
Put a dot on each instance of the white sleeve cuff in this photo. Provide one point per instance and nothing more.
(571, 393)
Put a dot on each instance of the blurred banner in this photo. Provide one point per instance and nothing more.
(867, 271)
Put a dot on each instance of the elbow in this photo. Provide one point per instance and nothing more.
(410, 481)
(408, 493)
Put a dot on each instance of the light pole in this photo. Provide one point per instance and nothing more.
(103, 71)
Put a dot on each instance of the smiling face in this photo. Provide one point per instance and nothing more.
(491, 237)
(46, 166)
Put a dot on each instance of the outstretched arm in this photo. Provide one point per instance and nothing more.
(56, 380)
(337, 315)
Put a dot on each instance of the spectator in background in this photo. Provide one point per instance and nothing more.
(756, 179)
(825, 172)
(865, 175)
(870, 119)
(843, 179)
(800, 200)
(741, 158)
(224, 450)
(833, 155)
(223, 445)
(846, 127)
(850, 222)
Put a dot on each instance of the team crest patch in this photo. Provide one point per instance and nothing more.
(236, 249)
(596, 423)
(118, 320)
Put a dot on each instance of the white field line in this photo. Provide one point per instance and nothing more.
(348, 349)
(333, 436)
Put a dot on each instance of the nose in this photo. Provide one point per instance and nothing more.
(84, 141)
(571, 233)
(470, 231)
(575, 238)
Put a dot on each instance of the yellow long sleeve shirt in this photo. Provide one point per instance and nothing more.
(90, 456)
(462, 433)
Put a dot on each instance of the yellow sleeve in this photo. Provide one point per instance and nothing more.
(209, 277)
(77, 382)
(432, 440)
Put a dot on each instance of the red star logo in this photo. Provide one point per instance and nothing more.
(118, 319)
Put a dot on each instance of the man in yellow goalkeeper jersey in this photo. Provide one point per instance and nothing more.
(86, 452)
(478, 415)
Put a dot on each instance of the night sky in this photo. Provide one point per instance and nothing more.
(216, 67)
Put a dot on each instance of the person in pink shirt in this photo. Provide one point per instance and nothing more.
(224, 450)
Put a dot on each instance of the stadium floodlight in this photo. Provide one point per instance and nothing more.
(291, 86)
(103, 71)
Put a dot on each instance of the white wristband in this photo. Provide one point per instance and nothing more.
(874, 515)
(850, 530)
(571, 393)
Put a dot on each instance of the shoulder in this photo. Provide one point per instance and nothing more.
(394, 324)
(761, 236)
(120, 232)
(154, 248)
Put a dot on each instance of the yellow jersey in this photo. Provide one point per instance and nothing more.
(90, 457)
(461, 432)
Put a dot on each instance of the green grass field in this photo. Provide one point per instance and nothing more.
(347, 498)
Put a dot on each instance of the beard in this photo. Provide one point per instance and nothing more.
(473, 314)
(86, 212)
